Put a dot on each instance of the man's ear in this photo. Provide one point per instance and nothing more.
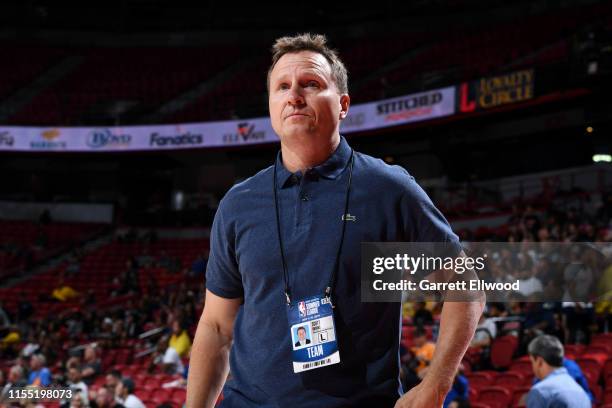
(345, 101)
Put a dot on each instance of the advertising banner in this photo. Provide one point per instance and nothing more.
(368, 116)
(491, 92)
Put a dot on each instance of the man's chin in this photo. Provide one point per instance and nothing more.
(298, 132)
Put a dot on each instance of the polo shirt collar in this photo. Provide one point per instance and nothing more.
(558, 371)
(330, 169)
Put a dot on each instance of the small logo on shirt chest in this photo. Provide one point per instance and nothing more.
(349, 217)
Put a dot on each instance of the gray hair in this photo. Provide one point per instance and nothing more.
(549, 348)
(315, 43)
(18, 370)
(41, 358)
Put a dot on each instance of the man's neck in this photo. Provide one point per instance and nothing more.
(547, 370)
(302, 156)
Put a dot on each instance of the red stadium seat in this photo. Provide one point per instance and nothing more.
(599, 349)
(608, 381)
(496, 396)
(592, 362)
(502, 351)
(575, 349)
(160, 395)
(607, 397)
(480, 405)
(510, 379)
(478, 379)
(522, 366)
(143, 394)
(179, 396)
(518, 394)
(472, 394)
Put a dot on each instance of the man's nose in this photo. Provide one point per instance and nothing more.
(295, 95)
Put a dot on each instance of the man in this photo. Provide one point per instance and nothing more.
(277, 240)
(302, 340)
(167, 358)
(125, 394)
(16, 378)
(113, 378)
(556, 388)
(40, 376)
(76, 384)
(92, 365)
(105, 399)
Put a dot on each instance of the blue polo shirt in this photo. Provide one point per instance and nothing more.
(244, 262)
(558, 390)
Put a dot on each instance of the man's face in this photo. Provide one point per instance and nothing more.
(102, 398)
(536, 365)
(74, 375)
(111, 382)
(302, 334)
(120, 390)
(34, 363)
(304, 101)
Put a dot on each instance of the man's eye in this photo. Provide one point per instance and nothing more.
(314, 84)
(283, 86)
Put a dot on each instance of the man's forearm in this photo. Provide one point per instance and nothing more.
(457, 325)
(208, 366)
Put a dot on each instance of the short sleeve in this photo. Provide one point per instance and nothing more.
(222, 274)
(422, 221)
(535, 399)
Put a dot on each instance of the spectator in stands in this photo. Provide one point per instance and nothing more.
(105, 399)
(459, 390)
(76, 384)
(167, 357)
(539, 319)
(421, 355)
(92, 366)
(529, 283)
(556, 388)
(113, 378)
(180, 340)
(39, 374)
(125, 394)
(16, 378)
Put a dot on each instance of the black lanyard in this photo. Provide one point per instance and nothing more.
(330, 287)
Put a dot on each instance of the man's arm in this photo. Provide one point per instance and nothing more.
(457, 325)
(209, 362)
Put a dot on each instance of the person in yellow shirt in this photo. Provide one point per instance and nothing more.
(180, 340)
